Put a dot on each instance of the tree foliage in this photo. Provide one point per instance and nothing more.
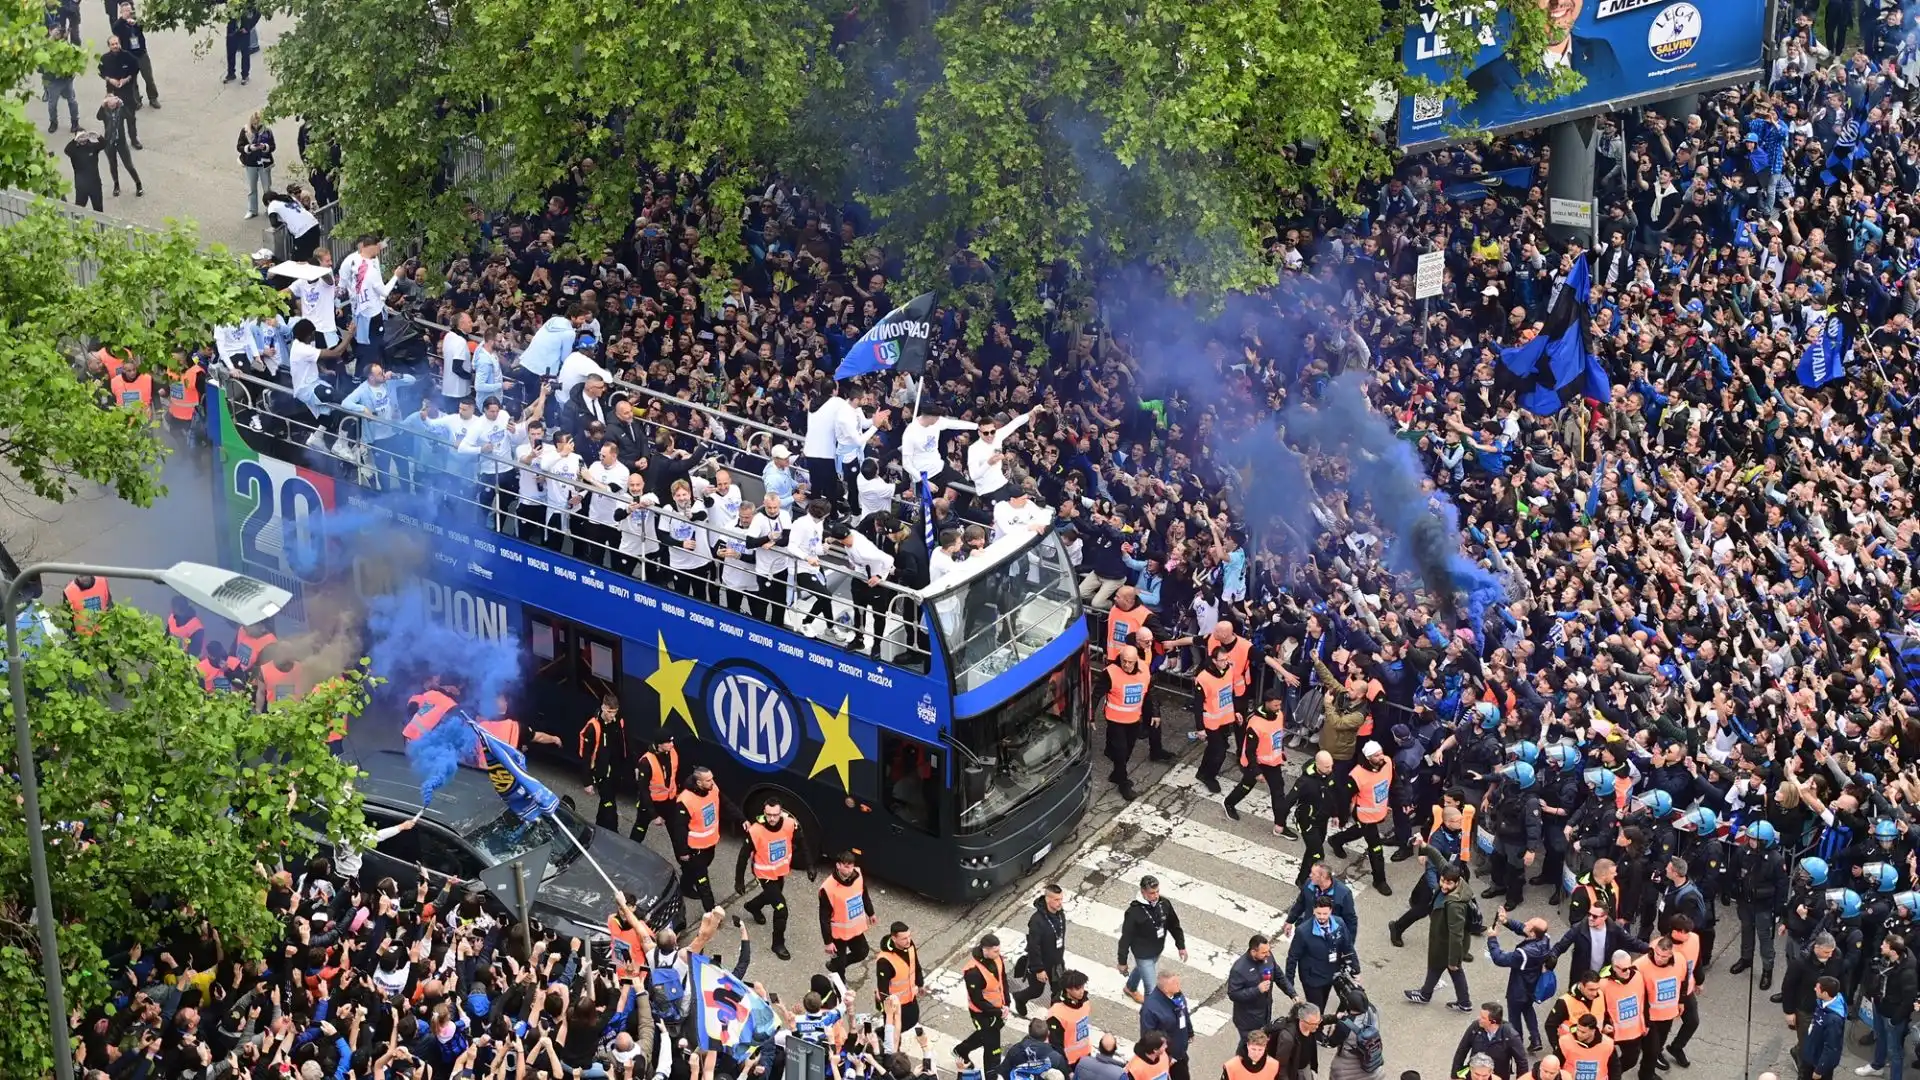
(161, 801)
(1037, 134)
(151, 293)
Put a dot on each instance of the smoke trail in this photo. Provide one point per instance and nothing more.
(436, 756)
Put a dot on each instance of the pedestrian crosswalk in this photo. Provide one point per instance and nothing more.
(1255, 805)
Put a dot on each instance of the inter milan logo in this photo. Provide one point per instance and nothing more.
(752, 718)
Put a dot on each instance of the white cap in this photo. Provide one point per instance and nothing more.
(263, 255)
(1370, 749)
(781, 451)
(1491, 290)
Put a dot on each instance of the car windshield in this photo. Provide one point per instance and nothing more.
(1020, 747)
(1007, 611)
(506, 838)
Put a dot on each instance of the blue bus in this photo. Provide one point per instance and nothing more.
(954, 757)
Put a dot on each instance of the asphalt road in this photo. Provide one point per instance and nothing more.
(1228, 879)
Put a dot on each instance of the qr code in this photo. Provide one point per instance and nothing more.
(1427, 107)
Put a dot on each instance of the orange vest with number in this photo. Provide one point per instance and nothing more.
(1128, 694)
(847, 906)
(85, 602)
(428, 710)
(183, 631)
(629, 948)
(1076, 1026)
(1142, 1069)
(703, 817)
(506, 729)
(901, 985)
(1583, 1062)
(1627, 1005)
(225, 677)
(111, 360)
(1268, 1068)
(1215, 696)
(279, 684)
(136, 392)
(1666, 987)
(247, 647)
(1122, 625)
(1372, 799)
(1266, 742)
(663, 779)
(1237, 667)
(1688, 949)
(995, 977)
(772, 849)
(183, 394)
(1577, 1008)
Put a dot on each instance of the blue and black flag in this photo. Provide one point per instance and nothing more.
(900, 341)
(1557, 366)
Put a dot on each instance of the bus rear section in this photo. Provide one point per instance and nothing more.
(953, 761)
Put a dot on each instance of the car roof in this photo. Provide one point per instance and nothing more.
(464, 803)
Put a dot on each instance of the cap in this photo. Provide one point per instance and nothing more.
(263, 255)
(781, 452)
(1491, 290)
(1402, 733)
(1372, 748)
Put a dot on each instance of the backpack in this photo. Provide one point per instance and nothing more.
(1476, 922)
(667, 986)
(1366, 1041)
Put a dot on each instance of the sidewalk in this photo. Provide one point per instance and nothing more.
(189, 166)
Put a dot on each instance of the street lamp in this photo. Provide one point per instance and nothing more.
(232, 596)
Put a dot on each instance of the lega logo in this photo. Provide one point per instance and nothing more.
(1674, 33)
(753, 717)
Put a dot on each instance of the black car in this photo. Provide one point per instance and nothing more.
(468, 830)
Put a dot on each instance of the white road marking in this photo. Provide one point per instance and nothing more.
(1105, 921)
(1188, 891)
(1255, 805)
(1207, 840)
(1105, 984)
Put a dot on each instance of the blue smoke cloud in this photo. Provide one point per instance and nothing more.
(436, 756)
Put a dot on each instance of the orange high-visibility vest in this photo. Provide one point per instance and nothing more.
(663, 783)
(1214, 694)
(135, 393)
(1266, 741)
(900, 985)
(506, 729)
(1665, 987)
(224, 677)
(1122, 625)
(1626, 1004)
(847, 906)
(1127, 695)
(248, 646)
(85, 603)
(629, 948)
(1142, 1069)
(994, 974)
(1372, 799)
(1076, 1026)
(1585, 1062)
(112, 360)
(429, 708)
(1237, 665)
(183, 394)
(1688, 949)
(1578, 1007)
(1236, 1069)
(279, 684)
(772, 849)
(703, 817)
(183, 632)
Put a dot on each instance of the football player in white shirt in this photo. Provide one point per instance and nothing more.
(920, 446)
(768, 536)
(739, 581)
(606, 478)
(806, 540)
(945, 557)
(985, 460)
(532, 498)
(489, 441)
(456, 361)
(635, 521)
(1019, 513)
(560, 467)
(689, 550)
(871, 566)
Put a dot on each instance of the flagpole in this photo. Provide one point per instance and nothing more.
(554, 816)
(919, 384)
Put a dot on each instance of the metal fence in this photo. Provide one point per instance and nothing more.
(277, 238)
(15, 206)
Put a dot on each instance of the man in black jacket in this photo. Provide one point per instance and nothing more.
(1891, 986)
(1045, 962)
(628, 432)
(1594, 943)
(1144, 930)
(1491, 1035)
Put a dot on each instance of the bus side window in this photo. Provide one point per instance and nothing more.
(912, 782)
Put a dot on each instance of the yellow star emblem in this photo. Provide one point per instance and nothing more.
(837, 748)
(669, 681)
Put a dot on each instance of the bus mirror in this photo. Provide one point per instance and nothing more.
(973, 784)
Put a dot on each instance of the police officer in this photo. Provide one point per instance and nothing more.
(772, 840)
(1684, 896)
(1562, 795)
(1312, 803)
(1706, 859)
(603, 749)
(1513, 810)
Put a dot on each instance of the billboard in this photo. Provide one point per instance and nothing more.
(1629, 51)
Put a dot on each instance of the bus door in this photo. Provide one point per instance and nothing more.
(574, 666)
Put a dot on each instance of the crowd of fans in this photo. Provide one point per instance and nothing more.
(1705, 662)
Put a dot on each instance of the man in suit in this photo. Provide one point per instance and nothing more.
(1594, 942)
(1590, 57)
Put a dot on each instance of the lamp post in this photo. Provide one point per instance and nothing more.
(233, 596)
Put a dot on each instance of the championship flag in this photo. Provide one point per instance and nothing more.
(1825, 358)
(507, 768)
(898, 342)
(727, 1014)
(1557, 367)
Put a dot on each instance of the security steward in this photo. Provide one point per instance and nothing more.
(1130, 707)
(504, 727)
(1213, 692)
(87, 596)
(1585, 1053)
(1312, 802)
(985, 977)
(772, 839)
(898, 977)
(1263, 756)
(1584, 999)
(845, 913)
(1372, 781)
(277, 681)
(659, 777)
(185, 627)
(428, 707)
(603, 750)
(219, 671)
(249, 642)
(695, 828)
(1070, 1019)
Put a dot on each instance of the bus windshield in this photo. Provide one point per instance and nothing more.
(1020, 747)
(1021, 597)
